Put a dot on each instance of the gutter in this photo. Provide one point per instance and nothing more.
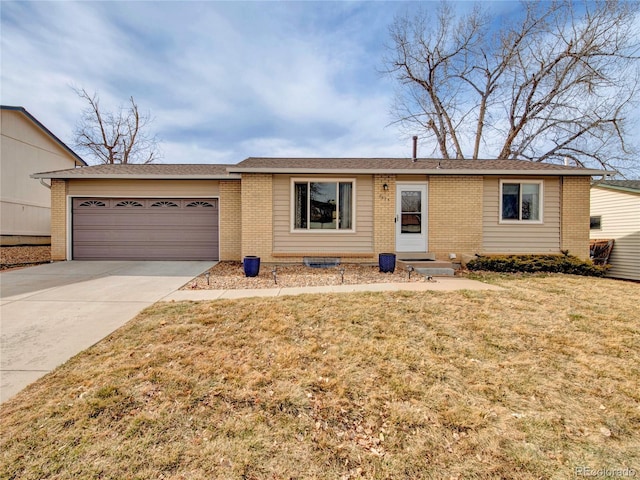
(135, 177)
(413, 171)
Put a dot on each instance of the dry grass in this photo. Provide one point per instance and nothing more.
(530, 382)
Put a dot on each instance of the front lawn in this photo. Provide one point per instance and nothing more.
(540, 380)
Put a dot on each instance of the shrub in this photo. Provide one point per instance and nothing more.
(537, 263)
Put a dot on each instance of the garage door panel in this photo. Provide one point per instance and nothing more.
(159, 237)
(145, 229)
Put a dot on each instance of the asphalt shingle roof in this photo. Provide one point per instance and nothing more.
(422, 165)
(158, 170)
(620, 184)
(321, 165)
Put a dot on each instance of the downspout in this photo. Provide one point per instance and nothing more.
(42, 182)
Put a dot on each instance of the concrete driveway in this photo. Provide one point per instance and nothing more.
(49, 313)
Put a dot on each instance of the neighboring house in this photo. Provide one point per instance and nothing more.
(27, 147)
(615, 214)
(285, 209)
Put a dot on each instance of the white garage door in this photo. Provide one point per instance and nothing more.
(145, 229)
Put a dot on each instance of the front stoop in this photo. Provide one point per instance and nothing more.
(427, 265)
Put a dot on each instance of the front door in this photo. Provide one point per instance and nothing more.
(411, 217)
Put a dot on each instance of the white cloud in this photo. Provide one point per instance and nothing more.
(223, 81)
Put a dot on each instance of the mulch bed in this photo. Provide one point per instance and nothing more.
(23, 256)
(230, 275)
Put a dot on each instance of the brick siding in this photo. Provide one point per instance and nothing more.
(230, 220)
(575, 216)
(455, 214)
(384, 212)
(257, 216)
(58, 219)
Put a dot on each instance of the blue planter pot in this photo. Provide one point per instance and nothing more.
(251, 266)
(387, 262)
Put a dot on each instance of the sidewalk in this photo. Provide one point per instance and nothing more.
(442, 284)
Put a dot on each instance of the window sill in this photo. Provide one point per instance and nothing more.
(321, 231)
(520, 222)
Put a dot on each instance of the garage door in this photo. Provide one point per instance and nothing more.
(145, 229)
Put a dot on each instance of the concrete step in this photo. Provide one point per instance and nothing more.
(436, 272)
(426, 264)
(419, 263)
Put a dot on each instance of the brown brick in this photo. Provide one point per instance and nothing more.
(230, 220)
(58, 219)
(384, 211)
(257, 215)
(455, 214)
(575, 216)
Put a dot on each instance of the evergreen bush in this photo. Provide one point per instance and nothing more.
(554, 263)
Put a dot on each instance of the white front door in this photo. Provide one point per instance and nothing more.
(411, 217)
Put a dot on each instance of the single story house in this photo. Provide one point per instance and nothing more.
(27, 147)
(615, 215)
(285, 209)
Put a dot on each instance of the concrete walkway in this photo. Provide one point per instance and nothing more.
(51, 312)
(442, 284)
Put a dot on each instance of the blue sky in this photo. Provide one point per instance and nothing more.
(223, 80)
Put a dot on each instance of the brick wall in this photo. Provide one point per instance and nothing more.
(257, 215)
(58, 219)
(575, 216)
(384, 211)
(455, 214)
(230, 220)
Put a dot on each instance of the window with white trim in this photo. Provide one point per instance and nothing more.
(323, 204)
(521, 201)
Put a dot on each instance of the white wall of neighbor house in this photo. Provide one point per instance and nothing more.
(619, 214)
(25, 204)
(521, 237)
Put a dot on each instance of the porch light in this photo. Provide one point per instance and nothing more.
(385, 187)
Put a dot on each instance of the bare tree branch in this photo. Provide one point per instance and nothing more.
(557, 83)
(118, 137)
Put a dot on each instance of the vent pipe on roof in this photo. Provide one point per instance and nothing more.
(415, 148)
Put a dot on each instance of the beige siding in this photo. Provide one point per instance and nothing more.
(522, 237)
(144, 188)
(620, 212)
(286, 241)
(25, 204)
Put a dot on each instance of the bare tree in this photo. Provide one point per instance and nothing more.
(115, 137)
(556, 84)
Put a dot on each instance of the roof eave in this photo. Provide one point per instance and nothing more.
(77, 159)
(617, 188)
(63, 176)
(413, 171)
